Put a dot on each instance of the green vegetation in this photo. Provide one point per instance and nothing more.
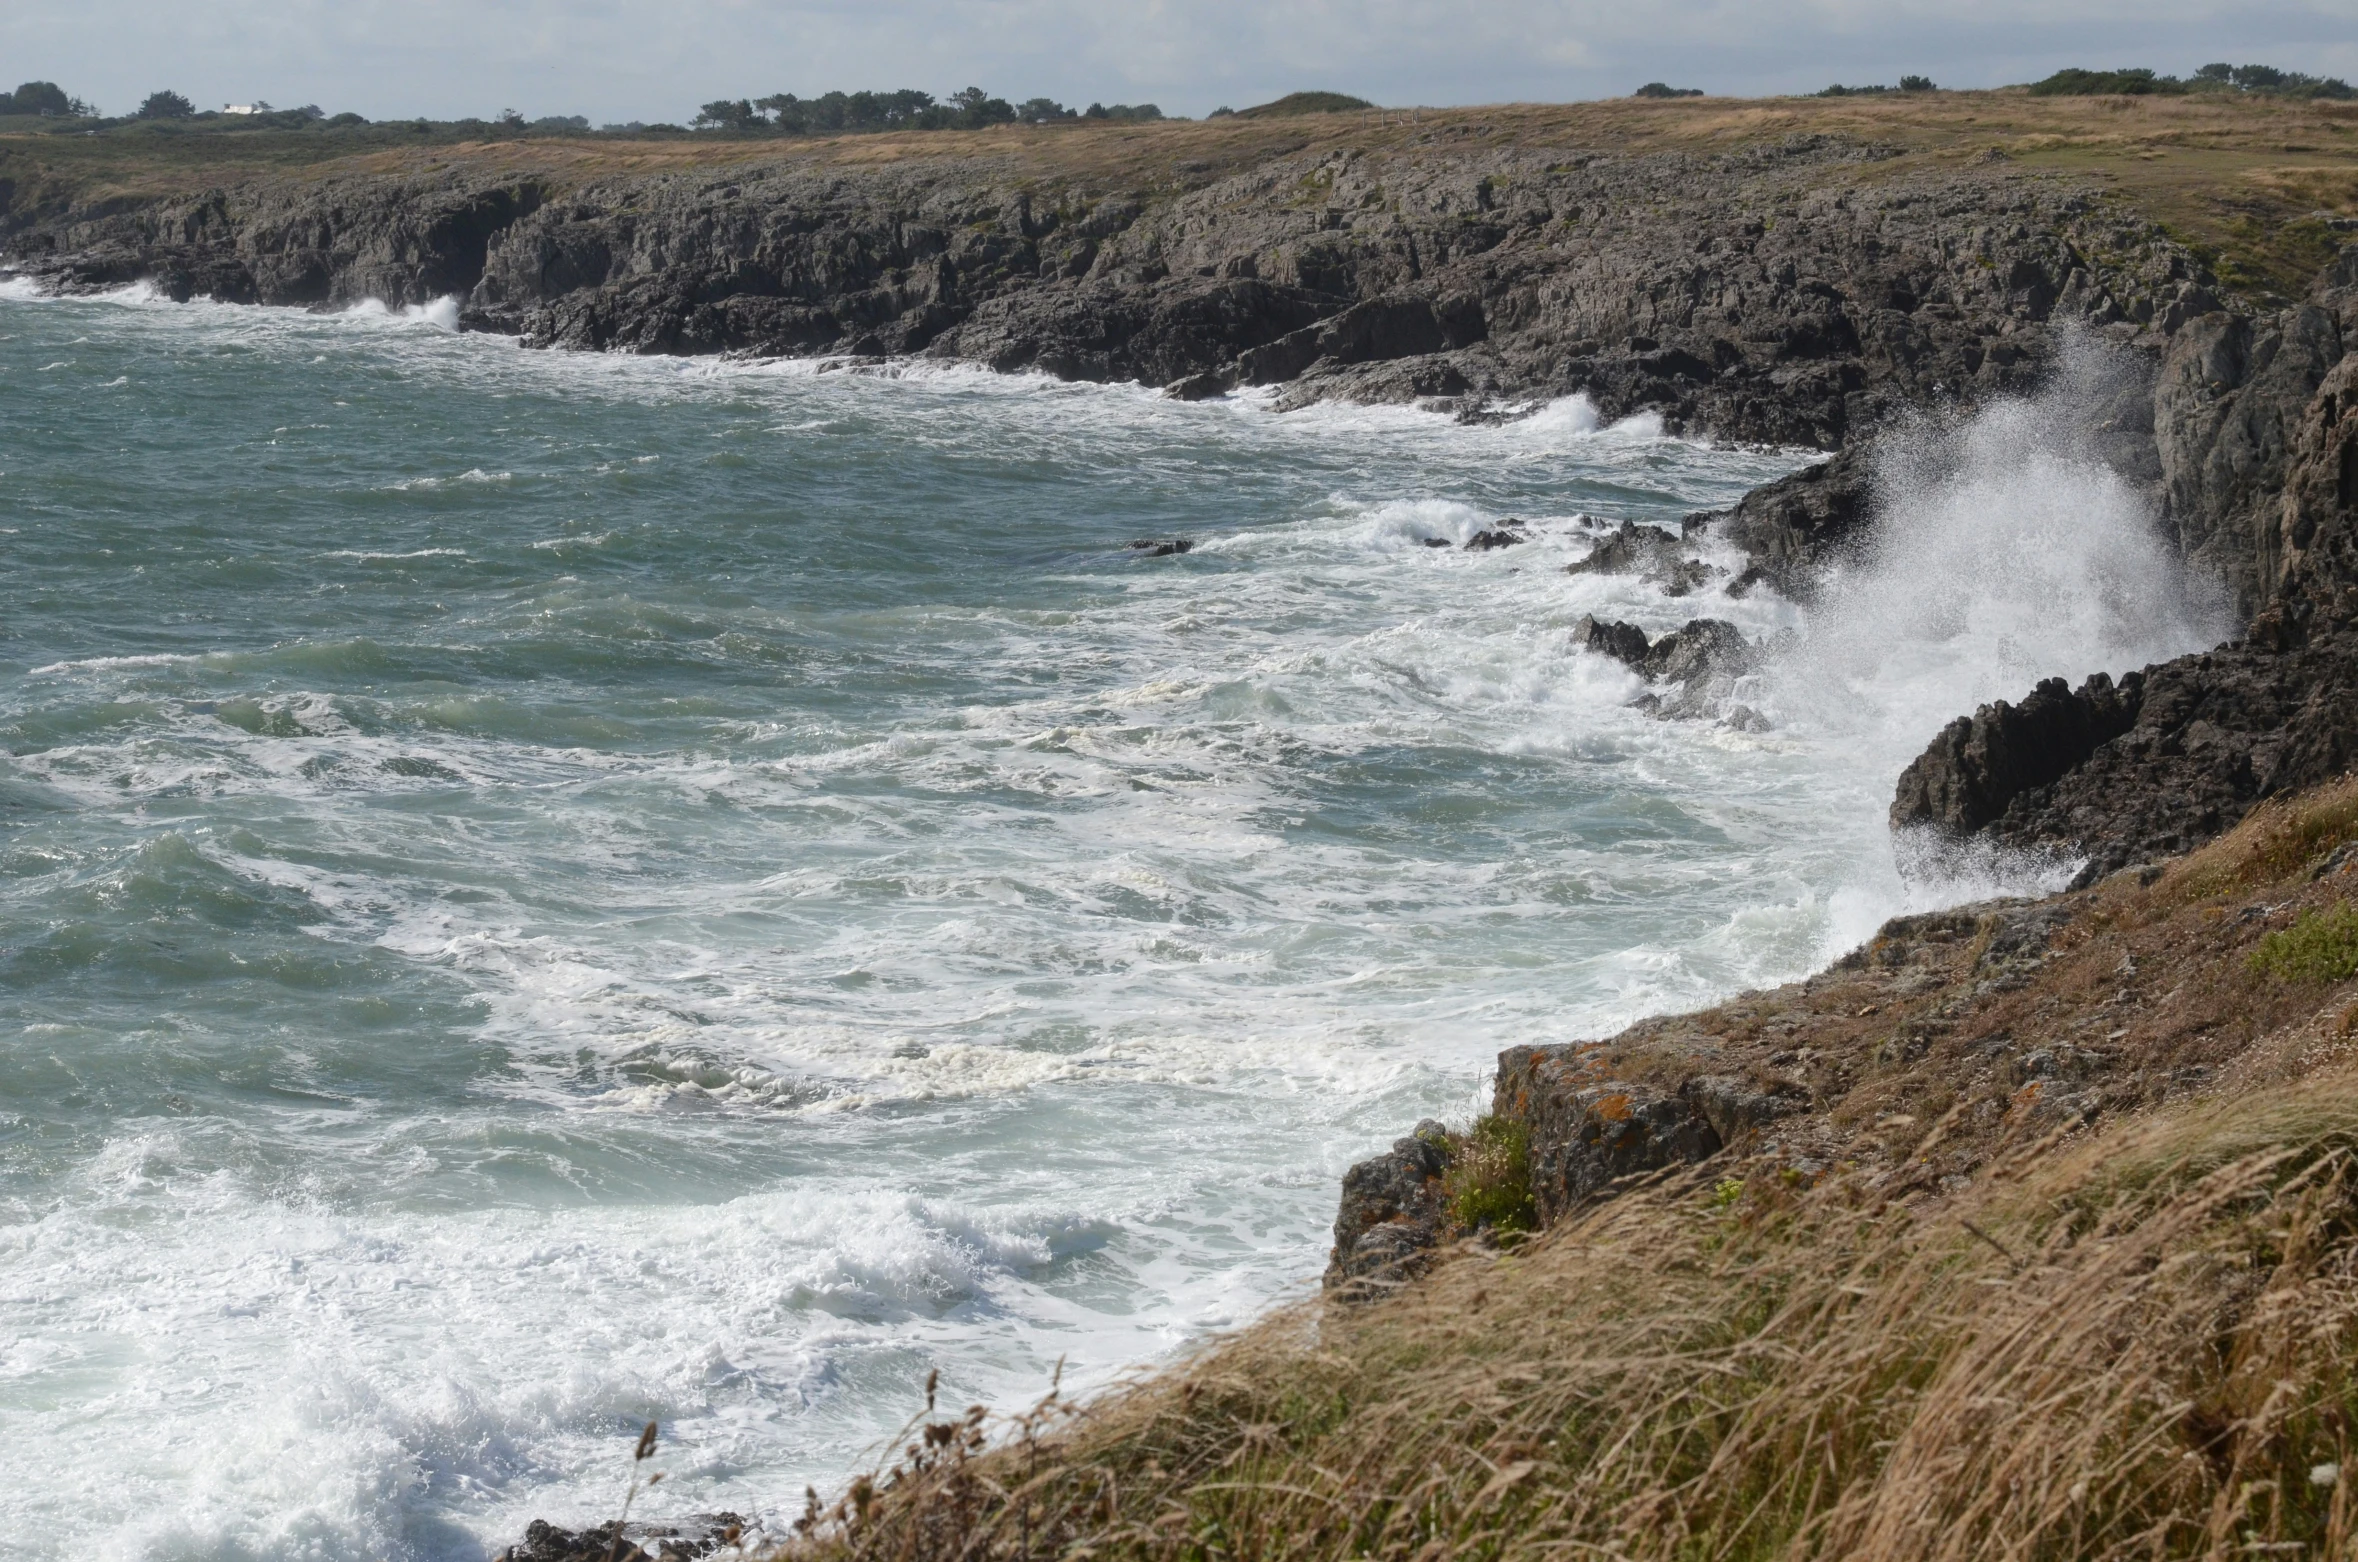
(2258, 80)
(868, 113)
(1906, 84)
(44, 100)
(1663, 89)
(1489, 1177)
(1294, 103)
(2320, 946)
(165, 105)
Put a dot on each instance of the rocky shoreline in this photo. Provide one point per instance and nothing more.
(1778, 292)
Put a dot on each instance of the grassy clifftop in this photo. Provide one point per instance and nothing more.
(2138, 1338)
(2253, 184)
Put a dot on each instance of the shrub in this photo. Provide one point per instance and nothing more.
(2322, 946)
(1917, 84)
(2073, 82)
(1489, 1177)
(1663, 89)
(166, 105)
(1305, 103)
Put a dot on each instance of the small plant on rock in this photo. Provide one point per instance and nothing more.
(1489, 1178)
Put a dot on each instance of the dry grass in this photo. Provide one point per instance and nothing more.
(2143, 1347)
(2136, 1340)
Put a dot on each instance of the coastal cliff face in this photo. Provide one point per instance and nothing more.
(1782, 292)
(2258, 449)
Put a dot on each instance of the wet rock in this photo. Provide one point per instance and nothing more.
(1980, 763)
(1162, 548)
(1394, 1211)
(1587, 1130)
(1701, 649)
(615, 1542)
(1627, 550)
(1504, 535)
(1792, 528)
(2214, 735)
(1650, 553)
(1625, 643)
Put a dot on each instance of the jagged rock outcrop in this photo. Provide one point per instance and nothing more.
(1394, 1209)
(2258, 449)
(1703, 657)
(1794, 526)
(1981, 763)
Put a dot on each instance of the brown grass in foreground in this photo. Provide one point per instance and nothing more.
(2139, 1340)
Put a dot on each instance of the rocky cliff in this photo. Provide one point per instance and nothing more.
(1787, 290)
(2258, 453)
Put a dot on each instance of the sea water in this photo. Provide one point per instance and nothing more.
(544, 892)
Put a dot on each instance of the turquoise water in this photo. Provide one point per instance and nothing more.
(541, 892)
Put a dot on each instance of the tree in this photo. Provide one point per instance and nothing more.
(43, 97)
(166, 105)
(977, 109)
(1916, 84)
(723, 114)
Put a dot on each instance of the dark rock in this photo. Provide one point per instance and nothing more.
(1394, 1211)
(1504, 535)
(1702, 648)
(1981, 763)
(615, 1542)
(2214, 735)
(1627, 550)
(1625, 643)
(1793, 527)
(1154, 548)
(1649, 552)
(1435, 542)
(1587, 1129)
(1473, 272)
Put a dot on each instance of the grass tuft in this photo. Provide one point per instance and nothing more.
(1489, 1178)
(2320, 946)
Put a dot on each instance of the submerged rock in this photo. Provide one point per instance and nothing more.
(1504, 535)
(1158, 548)
(1704, 656)
(1650, 553)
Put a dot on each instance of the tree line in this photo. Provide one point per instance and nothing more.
(854, 113)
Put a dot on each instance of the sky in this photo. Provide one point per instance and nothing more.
(619, 60)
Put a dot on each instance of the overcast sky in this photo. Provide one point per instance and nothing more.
(659, 59)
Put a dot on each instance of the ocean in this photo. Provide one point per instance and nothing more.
(543, 892)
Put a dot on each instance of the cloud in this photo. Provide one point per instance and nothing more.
(658, 59)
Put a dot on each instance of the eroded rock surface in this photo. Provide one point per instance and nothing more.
(1788, 291)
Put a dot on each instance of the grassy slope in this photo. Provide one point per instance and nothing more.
(2239, 180)
(2133, 1339)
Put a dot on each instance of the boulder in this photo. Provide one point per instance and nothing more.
(1588, 1129)
(1394, 1211)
